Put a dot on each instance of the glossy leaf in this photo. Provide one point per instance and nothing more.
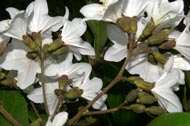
(173, 119)
(14, 103)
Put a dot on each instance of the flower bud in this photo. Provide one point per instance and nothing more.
(156, 110)
(9, 82)
(45, 50)
(37, 38)
(128, 24)
(131, 96)
(56, 45)
(60, 51)
(140, 83)
(37, 122)
(63, 80)
(29, 42)
(74, 93)
(152, 60)
(2, 75)
(2, 49)
(32, 55)
(158, 37)
(148, 29)
(145, 98)
(168, 44)
(160, 57)
(133, 24)
(59, 92)
(124, 23)
(138, 108)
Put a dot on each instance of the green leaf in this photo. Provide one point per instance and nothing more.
(14, 103)
(173, 119)
(98, 29)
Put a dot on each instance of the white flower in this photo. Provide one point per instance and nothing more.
(166, 13)
(35, 19)
(16, 60)
(59, 119)
(78, 75)
(71, 36)
(110, 10)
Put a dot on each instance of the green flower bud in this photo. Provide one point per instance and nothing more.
(32, 55)
(60, 51)
(74, 93)
(29, 42)
(56, 45)
(148, 29)
(158, 37)
(63, 80)
(140, 83)
(124, 23)
(9, 82)
(160, 57)
(131, 96)
(128, 24)
(2, 75)
(37, 122)
(168, 44)
(138, 108)
(45, 50)
(145, 98)
(37, 38)
(156, 110)
(133, 24)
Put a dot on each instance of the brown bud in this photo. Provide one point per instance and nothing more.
(74, 93)
(131, 96)
(169, 44)
(156, 110)
(138, 108)
(59, 92)
(152, 60)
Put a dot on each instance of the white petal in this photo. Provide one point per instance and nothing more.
(140, 65)
(13, 11)
(18, 27)
(59, 119)
(181, 63)
(93, 11)
(115, 53)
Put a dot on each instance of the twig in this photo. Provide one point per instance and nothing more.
(8, 116)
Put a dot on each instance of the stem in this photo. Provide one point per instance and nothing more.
(43, 82)
(35, 110)
(103, 111)
(105, 90)
(57, 107)
(8, 116)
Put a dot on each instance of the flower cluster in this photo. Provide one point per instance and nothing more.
(49, 71)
